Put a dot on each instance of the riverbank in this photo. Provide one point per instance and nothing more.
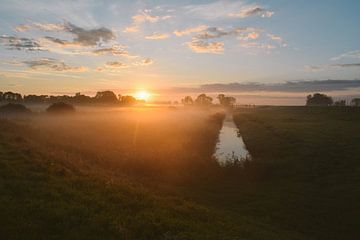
(151, 175)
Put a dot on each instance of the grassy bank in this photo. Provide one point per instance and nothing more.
(149, 175)
(305, 174)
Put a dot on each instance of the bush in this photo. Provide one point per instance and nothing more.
(14, 108)
(61, 107)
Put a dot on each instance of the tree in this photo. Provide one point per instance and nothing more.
(355, 102)
(318, 99)
(60, 107)
(203, 100)
(226, 101)
(127, 100)
(36, 98)
(80, 98)
(106, 97)
(1, 96)
(340, 103)
(187, 101)
(12, 97)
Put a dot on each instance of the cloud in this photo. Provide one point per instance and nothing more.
(157, 36)
(249, 36)
(142, 17)
(257, 45)
(41, 26)
(200, 46)
(116, 50)
(243, 33)
(352, 54)
(17, 43)
(52, 65)
(291, 86)
(189, 31)
(82, 37)
(346, 65)
(275, 37)
(314, 68)
(226, 9)
(252, 11)
(90, 37)
(116, 64)
(131, 29)
(317, 68)
(145, 62)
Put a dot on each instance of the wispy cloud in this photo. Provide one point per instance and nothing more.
(255, 10)
(346, 65)
(145, 62)
(50, 64)
(157, 36)
(351, 54)
(225, 9)
(115, 50)
(200, 46)
(116, 64)
(317, 68)
(41, 26)
(189, 31)
(143, 16)
(20, 43)
(291, 86)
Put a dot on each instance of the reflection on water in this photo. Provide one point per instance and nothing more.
(231, 146)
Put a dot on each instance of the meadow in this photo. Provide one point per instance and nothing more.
(148, 173)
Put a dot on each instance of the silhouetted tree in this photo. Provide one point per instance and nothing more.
(318, 99)
(355, 102)
(36, 98)
(187, 101)
(12, 97)
(127, 100)
(106, 97)
(340, 103)
(60, 107)
(226, 101)
(80, 98)
(203, 100)
(16, 108)
(1, 96)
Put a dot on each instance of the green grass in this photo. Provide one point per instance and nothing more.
(86, 177)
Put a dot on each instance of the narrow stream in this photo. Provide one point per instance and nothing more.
(230, 146)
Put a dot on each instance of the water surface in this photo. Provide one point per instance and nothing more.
(230, 146)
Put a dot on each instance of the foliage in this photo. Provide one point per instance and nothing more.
(14, 108)
(106, 97)
(355, 102)
(187, 101)
(318, 99)
(203, 100)
(60, 107)
(226, 101)
(127, 100)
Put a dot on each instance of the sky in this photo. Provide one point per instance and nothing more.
(274, 51)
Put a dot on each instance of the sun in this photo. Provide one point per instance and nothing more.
(142, 95)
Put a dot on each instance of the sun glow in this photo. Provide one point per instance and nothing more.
(143, 95)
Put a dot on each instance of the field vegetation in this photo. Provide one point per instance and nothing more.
(148, 173)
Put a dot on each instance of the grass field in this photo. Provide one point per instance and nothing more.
(149, 174)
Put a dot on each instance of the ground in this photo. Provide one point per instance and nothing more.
(150, 175)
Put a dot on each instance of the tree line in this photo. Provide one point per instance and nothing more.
(204, 100)
(107, 97)
(319, 99)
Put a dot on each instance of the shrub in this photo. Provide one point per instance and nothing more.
(14, 108)
(60, 107)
